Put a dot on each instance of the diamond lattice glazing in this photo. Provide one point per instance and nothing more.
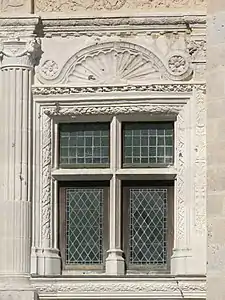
(84, 220)
(148, 226)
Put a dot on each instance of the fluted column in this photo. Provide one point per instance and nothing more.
(17, 61)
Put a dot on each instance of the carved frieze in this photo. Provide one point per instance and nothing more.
(155, 88)
(115, 5)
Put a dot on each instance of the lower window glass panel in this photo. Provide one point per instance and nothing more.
(84, 225)
(148, 226)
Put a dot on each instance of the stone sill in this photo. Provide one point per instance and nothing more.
(129, 287)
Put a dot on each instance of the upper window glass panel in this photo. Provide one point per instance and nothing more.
(84, 145)
(148, 144)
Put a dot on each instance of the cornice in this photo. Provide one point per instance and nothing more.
(121, 25)
(18, 26)
(61, 25)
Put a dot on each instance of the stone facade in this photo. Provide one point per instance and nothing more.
(102, 59)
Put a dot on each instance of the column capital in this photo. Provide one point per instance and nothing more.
(16, 53)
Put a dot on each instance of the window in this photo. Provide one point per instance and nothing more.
(85, 145)
(83, 219)
(130, 153)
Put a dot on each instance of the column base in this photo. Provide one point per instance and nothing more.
(181, 262)
(18, 294)
(115, 264)
(45, 262)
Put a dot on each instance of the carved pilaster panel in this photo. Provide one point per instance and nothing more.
(46, 195)
(200, 162)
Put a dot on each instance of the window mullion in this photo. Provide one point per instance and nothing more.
(115, 262)
(115, 144)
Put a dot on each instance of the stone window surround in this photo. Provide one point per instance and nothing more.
(56, 106)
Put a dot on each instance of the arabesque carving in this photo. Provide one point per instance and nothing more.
(46, 153)
(155, 88)
(117, 63)
(200, 162)
(112, 287)
(115, 5)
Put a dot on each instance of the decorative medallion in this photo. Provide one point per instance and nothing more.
(49, 69)
(177, 64)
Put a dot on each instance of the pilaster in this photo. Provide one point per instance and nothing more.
(17, 61)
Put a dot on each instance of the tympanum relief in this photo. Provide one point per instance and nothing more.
(116, 63)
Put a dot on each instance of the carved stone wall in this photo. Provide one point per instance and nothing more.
(117, 5)
(15, 6)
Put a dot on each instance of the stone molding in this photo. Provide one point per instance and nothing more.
(16, 52)
(45, 90)
(153, 24)
(54, 107)
(19, 26)
(134, 287)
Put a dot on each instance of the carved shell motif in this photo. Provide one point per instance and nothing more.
(113, 66)
(115, 63)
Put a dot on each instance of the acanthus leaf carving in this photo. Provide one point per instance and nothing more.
(18, 52)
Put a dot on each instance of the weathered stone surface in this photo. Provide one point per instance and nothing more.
(117, 5)
(16, 6)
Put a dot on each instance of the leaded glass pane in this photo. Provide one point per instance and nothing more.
(84, 144)
(147, 144)
(148, 226)
(84, 221)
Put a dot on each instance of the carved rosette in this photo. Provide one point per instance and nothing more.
(20, 53)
